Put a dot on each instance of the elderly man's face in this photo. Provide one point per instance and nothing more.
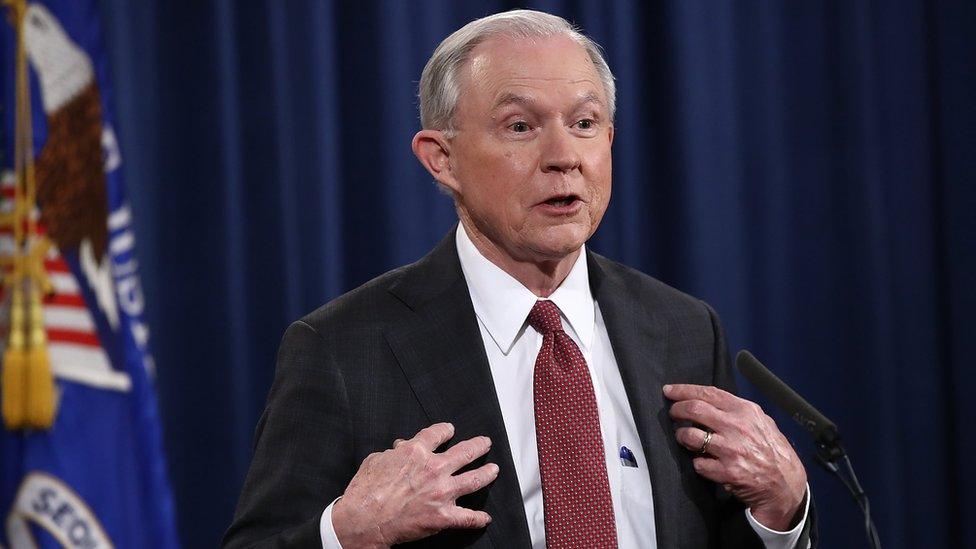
(530, 163)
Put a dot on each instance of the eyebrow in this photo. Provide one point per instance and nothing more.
(589, 97)
(516, 99)
(512, 99)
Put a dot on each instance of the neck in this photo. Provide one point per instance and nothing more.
(541, 277)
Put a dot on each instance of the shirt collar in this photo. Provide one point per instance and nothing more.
(503, 303)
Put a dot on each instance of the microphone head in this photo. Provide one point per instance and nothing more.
(823, 430)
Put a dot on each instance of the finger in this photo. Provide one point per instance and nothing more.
(431, 437)
(692, 438)
(722, 400)
(710, 468)
(700, 412)
(461, 517)
(465, 452)
(472, 481)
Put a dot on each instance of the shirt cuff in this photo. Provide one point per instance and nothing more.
(780, 540)
(326, 531)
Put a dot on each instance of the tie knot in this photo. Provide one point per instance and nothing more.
(544, 317)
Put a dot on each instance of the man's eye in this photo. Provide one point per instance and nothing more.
(585, 124)
(520, 127)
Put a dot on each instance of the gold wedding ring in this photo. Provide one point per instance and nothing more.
(704, 446)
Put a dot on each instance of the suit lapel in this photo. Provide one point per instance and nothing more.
(442, 355)
(640, 346)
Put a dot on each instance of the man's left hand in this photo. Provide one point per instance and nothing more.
(746, 452)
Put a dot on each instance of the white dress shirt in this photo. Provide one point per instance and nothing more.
(502, 305)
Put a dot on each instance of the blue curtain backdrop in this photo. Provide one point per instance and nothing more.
(806, 167)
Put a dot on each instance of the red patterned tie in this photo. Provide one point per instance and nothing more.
(575, 491)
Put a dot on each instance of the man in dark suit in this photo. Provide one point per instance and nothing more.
(512, 388)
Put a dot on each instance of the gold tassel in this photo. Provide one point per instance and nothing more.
(29, 397)
(40, 381)
(14, 388)
(15, 367)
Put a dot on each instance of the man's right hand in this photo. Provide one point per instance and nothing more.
(409, 492)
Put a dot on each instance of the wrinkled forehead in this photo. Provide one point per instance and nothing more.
(500, 65)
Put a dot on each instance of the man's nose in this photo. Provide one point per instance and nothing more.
(559, 153)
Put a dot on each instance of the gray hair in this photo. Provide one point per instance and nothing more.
(440, 88)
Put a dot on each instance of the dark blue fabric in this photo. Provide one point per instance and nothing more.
(806, 167)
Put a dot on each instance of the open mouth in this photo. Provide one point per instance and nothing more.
(562, 201)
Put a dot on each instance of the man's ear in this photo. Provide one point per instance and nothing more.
(434, 152)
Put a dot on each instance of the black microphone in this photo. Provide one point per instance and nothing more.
(829, 449)
(824, 431)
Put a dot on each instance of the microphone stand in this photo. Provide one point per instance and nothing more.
(829, 453)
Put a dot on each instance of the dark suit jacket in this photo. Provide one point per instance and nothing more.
(404, 351)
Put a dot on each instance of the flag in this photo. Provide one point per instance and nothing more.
(81, 457)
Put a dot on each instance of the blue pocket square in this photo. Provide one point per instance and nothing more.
(627, 457)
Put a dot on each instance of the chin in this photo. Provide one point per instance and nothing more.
(561, 242)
